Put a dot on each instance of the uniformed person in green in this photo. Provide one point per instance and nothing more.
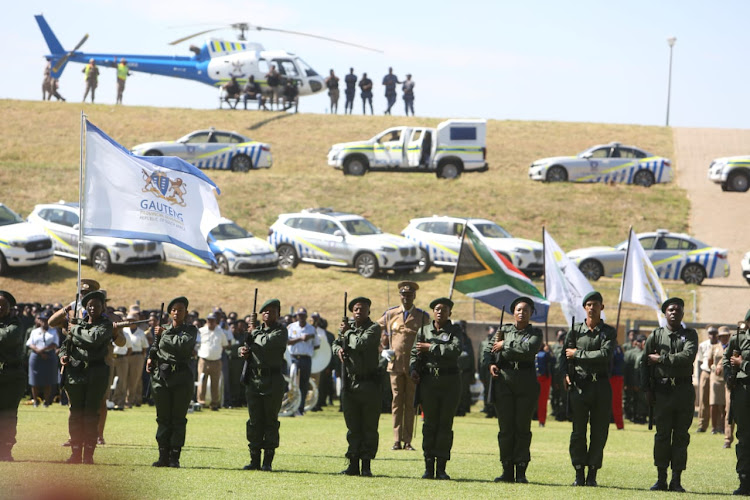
(172, 381)
(667, 373)
(12, 379)
(357, 347)
(587, 357)
(86, 374)
(434, 366)
(737, 374)
(516, 390)
(264, 383)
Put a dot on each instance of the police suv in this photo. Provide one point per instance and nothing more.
(21, 244)
(733, 173)
(455, 146)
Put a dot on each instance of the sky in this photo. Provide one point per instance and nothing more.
(603, 61)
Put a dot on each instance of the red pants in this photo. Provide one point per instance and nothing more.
(616, 382)
(541, 410)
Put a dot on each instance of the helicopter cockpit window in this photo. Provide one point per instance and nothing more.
(287, 68)
(306, 67)
(199, 138)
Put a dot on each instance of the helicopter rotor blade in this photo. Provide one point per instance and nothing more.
(261, 28)
(180, 40)
(67, 56)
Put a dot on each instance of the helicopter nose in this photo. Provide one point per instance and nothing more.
(315, 85)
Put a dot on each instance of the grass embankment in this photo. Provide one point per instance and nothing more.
(39, 158)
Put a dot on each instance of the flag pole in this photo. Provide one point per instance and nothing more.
(80, 198)
(622, 282)
(458, 260)
(544, 273)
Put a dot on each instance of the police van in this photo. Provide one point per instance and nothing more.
(454, 147)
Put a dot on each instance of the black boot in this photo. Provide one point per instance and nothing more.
(268, 460)
(88, 454)
(580, 476)
(675, 484)
(163, 457)
(174, 458)
(440, 469)
(507, 476)
(366, 472)
(254, 461)
(76, 456)
(744, 488)
(521, 473)
(591, 478)
(5, 454)
(429, 468)
(353, 469)
(661, 482)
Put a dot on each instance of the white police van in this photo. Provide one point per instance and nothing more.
(455, 146)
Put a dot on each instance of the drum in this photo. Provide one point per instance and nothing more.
(322, 355)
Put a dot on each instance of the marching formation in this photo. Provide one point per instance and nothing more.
(428, 347)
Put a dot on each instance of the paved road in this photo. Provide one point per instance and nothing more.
(717, 218)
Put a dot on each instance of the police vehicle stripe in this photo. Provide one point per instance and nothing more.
(713, 265)
(257, 155)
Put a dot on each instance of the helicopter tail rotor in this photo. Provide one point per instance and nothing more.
(64, 59)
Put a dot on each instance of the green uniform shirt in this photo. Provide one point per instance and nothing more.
(88, 341)
(360, 346)
(11, 342)
(740, 341)
(444, 352)
(267, 346)
(519, 346)
(594, 349)
(176, 344)
(677, 352)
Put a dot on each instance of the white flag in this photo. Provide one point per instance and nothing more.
(563, 281)
(640, 283)
(152, 198)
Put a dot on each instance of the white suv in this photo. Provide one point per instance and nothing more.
(327, 238)
(21, 244)
(60, 221)
(439, 240)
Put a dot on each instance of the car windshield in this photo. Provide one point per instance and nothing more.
(229, 231)
(8, 216)
(360, 227)
(492, 230)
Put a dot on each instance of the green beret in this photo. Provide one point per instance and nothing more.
(271, 303)
(441, 300)
(10, 298)
(593, 295)
(672, 300)
(522, 299)
(96, 294)
(178, 300)
(359, 299)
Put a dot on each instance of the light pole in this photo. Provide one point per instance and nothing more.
(671, 40)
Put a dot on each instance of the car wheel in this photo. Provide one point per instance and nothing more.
(592, 269)
(222, 266)
(450, 169)
(693, 274)
(241, 163)
(100, 260)
(367, 265)
(424, 262)
(153, 152)
(557, 173)
(355, 165)
(3, 265)
(644, 178)
(287, 257)
(738, 181)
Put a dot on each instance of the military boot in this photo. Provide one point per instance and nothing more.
(5, 454)
(174, 458)
(366, 472)
(254, 461)
(429, 468)
(76, 454)
(591, 477)
(661, 482)
(163, 457)
(88, 454)
(580, 476)
(353, 469)
(440, 469)
(744, 488)
(521, 473)
(675, 483)
(507, 476)
(268, 460)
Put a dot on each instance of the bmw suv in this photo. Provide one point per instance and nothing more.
(326, 238)
(21, 244)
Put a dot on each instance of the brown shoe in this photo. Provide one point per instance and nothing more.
(396, 445)
(408, 447)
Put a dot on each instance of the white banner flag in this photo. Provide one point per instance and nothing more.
(563, 281)
(640, 283)
(158, 198)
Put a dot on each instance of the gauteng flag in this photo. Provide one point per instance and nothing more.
(484, 274)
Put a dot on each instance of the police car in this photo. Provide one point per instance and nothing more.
(733, 173)
(439, 240)
(323, 237)
(746, 267)
(216, 149)
(21, 244)
(674, 256)
(612, 162)
(455, 146)
(236, 251)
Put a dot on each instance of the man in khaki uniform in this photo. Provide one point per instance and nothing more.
(400, 325)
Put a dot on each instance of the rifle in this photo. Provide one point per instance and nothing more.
(122, 324)
(569, 363)
(344, 383)
(418, 367)
(244, 374)
(731, 383)
(155, 344)
(651, 371)
(495, 358)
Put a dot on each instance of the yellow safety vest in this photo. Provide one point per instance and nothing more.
(122, 71)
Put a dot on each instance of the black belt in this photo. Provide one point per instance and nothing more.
(440, 372)
(370, 377)
(174, 367)
(673, 381)
(592, 377)
(300, 356)
(516, 365)
(262, 372)
(10, 365)
(83, 365)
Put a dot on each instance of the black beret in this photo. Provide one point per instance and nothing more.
(96, 294)
(672, 300)
(178, 300)
(359, 299)
(522, 299)
(9, 297)
(441, 300)
(271, 303)
(592, 295)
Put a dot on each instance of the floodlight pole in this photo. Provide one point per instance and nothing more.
(671, 41)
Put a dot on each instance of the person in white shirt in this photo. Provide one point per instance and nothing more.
(138, 351)
(704, 376)
(121, 370)
(211, 343)
(302, 344)
(42, 343)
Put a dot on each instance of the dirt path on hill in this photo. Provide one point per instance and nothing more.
(717, 218)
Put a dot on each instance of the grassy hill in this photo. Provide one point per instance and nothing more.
(39, 161)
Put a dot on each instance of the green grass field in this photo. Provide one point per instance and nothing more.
(311, 455)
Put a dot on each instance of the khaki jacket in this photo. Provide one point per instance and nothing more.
(402, 334)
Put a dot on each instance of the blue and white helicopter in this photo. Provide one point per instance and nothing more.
(213, 64)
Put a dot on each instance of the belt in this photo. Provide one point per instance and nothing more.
(516, 365)
(673, 381)
(300, 356)
(364, 378)
(262, 372)
(440, 372)
(10, 365)
(174, 367)
(87, 364)
(592, 377)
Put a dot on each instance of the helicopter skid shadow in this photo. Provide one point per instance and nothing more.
(261, 123)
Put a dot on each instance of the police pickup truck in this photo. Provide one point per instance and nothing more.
(455, 146)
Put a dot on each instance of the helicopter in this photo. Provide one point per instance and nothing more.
(214, 64)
